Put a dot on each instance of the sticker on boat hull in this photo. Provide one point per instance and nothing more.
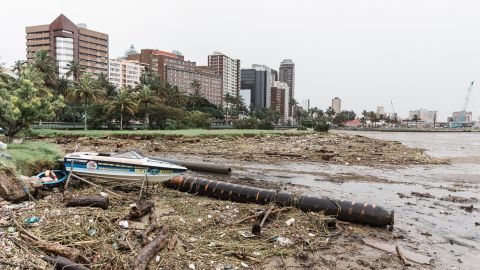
(92, 165)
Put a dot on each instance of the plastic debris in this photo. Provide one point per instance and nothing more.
(92, 232)
(290, 222)
(6, 156)
(123, 224)
(115, 245)
(157, 259)
(246, 234)
(32, 220)
(3, 146)
(282, 241)
(244, 265)
(103, 194)
(191, 266)
(11, 229)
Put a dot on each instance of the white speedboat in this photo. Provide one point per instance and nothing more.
(127, 167)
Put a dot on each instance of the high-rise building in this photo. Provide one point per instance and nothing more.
(255, 81)
(287, 75)
(270, 77)
(123, 72)
(174, 69)
(337, 105)
(229, 69)
(381, 110)
(66, 42)
(246, 95)
(424, 115)
(280, 99)
(462, 117)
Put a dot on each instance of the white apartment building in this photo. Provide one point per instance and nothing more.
(424, 115)
(124, 73)
(286, 94)
(229, 70)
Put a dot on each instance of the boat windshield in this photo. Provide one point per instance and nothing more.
(130, 155)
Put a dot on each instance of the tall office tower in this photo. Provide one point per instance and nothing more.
(229, 69)
(270, 77)
(66, 42)
(287, 75)
(254, 81)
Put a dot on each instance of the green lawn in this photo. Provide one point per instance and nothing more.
(47, 133)
(30, 158)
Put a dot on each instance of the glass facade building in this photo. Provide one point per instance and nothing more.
(64, 53)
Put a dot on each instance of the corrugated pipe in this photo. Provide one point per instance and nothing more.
(361, 213)
(200, 166)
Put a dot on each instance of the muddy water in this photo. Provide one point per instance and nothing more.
(434, 226)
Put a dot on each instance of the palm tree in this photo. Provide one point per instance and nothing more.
(75, 70)
(292, 103)
(86, 91)
(124, 102)
(45, 64)
(145, 96)
(17, 67)
(197, 95)
(106, 85)
(176, 97)
(416, 118)
(330, 112)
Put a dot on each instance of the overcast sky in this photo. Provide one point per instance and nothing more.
(416, 53)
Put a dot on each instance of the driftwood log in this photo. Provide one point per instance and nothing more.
(50, 247)
(62, 263)
(257, 227)
(140, 210)
(149, 250)
(152, 219)
(91, 201)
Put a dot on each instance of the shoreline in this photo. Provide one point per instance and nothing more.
(421, 130)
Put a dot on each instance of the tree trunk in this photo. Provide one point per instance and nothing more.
(85, 112)
(140, 210)
(92, 201)
(147, 252)
(63, 263)
(121, 121)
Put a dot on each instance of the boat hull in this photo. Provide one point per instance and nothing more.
(120, 172)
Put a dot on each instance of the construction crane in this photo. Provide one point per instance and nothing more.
(465, 104)
(462, 117)
(394, 114)
(393, 108)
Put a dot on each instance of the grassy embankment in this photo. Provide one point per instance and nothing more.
(147, 134)
(30, 158)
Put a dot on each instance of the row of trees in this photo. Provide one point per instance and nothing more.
(313, 116)
(39, 93)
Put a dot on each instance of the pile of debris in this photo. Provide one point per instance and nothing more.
(333, 148)
(118, 232)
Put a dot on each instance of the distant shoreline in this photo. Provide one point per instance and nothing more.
(444, 130)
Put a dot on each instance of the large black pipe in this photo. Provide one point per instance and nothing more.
(362, 213)
(200, 166)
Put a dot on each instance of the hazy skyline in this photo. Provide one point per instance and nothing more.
(417, 53)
